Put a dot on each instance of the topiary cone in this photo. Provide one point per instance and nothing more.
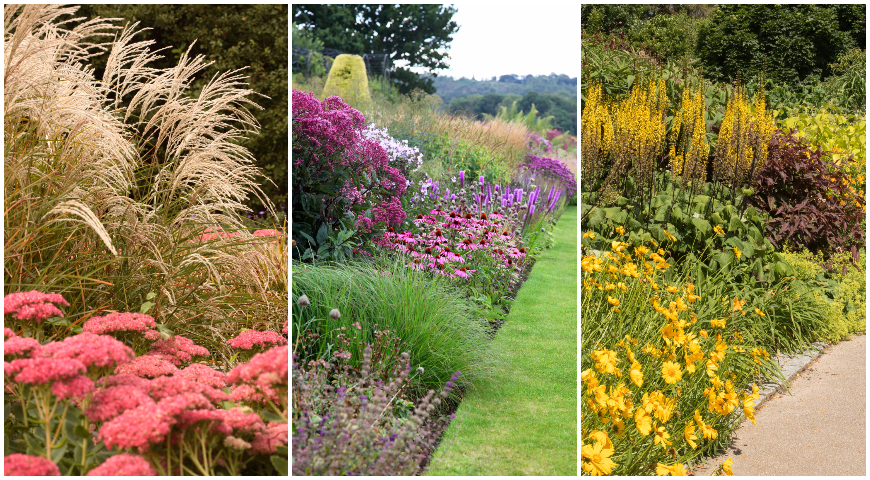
(347, 79)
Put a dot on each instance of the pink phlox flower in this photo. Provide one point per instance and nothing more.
(90, 349)
(24, 346)
(147, 366)
(203, 374)
(119, 322)
(21, 465)
(136, 428)
(33, 305)
(108, 403)
(162, 387)
(175, 404)
(75, 387)
(182, 349)
(252, 338)
(124, 465)
(37, 371)
(269, 232)
(267, 441)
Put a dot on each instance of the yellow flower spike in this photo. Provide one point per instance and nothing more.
(726, 466)
(759, 312)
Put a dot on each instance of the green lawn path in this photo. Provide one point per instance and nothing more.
(525, 422)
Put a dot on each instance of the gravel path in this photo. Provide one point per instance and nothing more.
(819, 429)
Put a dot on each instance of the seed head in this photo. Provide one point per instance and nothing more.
(335, 314)
(303, 301)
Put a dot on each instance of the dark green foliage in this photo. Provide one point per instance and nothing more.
(803, 194)
(233, 36)
(791, 42)
(414, 33)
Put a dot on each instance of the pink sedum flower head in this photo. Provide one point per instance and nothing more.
(246, 393)
(148, 366)
(137, 428)
(203, 374)
(124, 465)
(252, 339)
(76, 388)
(21, 465)
(8, 333)
(213, 418)
(21, 346)
(33, 305)
(163, 387)
(108, 403)
(266, 442)
(181, 349)
(243, 420)
(91, 349)
(173, 406)
(38, 371)
(126, 380)
(270, 232)
(120, 322)
(267, 368)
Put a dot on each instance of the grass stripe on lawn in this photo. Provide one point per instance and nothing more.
(525, 421)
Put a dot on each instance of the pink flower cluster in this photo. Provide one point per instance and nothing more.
(263, 373)
(123, 322)
(33, 305)
(212, 233)
(21, 465)
(252, 338)
(274, 435)
(124, 464)
(177, 350)
(91, 349)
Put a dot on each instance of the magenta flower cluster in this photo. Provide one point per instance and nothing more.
(33, 305)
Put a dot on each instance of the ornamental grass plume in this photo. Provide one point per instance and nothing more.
(21, 465)
(250, 339)
(109, 179)
(123, 464)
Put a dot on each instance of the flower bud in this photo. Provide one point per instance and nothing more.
(303, 301)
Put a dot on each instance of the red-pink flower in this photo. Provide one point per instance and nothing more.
(136, 428)
(91, 349)
(33, 305)
(37, 371)
(108, 403)
(266, 368)
(126, 380)
(180, 348)
(267, 233)
(203, 374)
(212, 417)
(252, 338)
(7, 333)
(75, 387)
(124, 464)
(242, 421)
(268, 440)
(147, 366)
(173, 406)
(120, 322)
(21, 465)
(24, 346)
(162, 387)
(246, 393)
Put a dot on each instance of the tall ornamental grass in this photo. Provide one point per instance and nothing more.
(114, 206)
(395, 310)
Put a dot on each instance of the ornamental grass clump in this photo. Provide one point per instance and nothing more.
(106, 199)
(666, 367)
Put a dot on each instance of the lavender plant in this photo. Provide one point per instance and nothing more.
(351, 427)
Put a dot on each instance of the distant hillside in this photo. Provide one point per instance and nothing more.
(448, 88)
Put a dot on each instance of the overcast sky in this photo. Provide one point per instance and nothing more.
(524, 38)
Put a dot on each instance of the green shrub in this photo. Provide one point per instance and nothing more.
(790, 42)
(839, 292)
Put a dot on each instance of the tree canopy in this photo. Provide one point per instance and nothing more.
(410, 33)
